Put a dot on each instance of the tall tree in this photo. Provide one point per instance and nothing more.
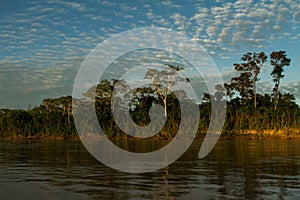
(278, 60)
(241, 84)
(163, 80)
(252, 64)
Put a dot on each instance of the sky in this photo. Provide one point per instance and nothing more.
(43, 43)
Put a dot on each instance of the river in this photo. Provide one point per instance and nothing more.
(241, 169)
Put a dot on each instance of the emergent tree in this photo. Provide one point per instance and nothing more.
(278, 60)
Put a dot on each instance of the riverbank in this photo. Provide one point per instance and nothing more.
(229, 135)
(38, 137)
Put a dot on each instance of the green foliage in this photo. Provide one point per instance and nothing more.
(54, 116)
(278, 61)
(242, 115)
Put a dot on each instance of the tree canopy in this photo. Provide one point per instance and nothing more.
(246, 108)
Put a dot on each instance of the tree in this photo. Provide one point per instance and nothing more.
(102, 90)
(163, 80)
(219, 95)
(253, 62)
(278, 60)
(241, 84)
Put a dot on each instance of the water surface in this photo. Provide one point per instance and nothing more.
(267, 169)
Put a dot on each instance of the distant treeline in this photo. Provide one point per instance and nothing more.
(246, 109)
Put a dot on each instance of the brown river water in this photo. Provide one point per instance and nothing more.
(241, 169)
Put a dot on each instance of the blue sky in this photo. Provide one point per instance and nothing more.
(44, 42)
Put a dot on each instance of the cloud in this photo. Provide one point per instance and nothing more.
(108, 3)
(56, 34)
(24, 84)
(166, 3)
(125, 7)
(181, 22)
(293, 88)
(244, 24)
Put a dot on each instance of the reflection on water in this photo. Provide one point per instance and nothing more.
(233, 170)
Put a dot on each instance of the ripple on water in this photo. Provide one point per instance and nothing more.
(233, 170)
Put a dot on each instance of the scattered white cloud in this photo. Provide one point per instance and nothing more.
(182, 22)
(55, 34)
(108, 3)
(128, 16)
(166, 3)
(19, 85)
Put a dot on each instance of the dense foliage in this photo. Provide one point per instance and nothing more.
(246, 109)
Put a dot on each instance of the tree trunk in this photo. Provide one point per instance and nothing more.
(165, 106)
(254, 90)
(276, 96)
